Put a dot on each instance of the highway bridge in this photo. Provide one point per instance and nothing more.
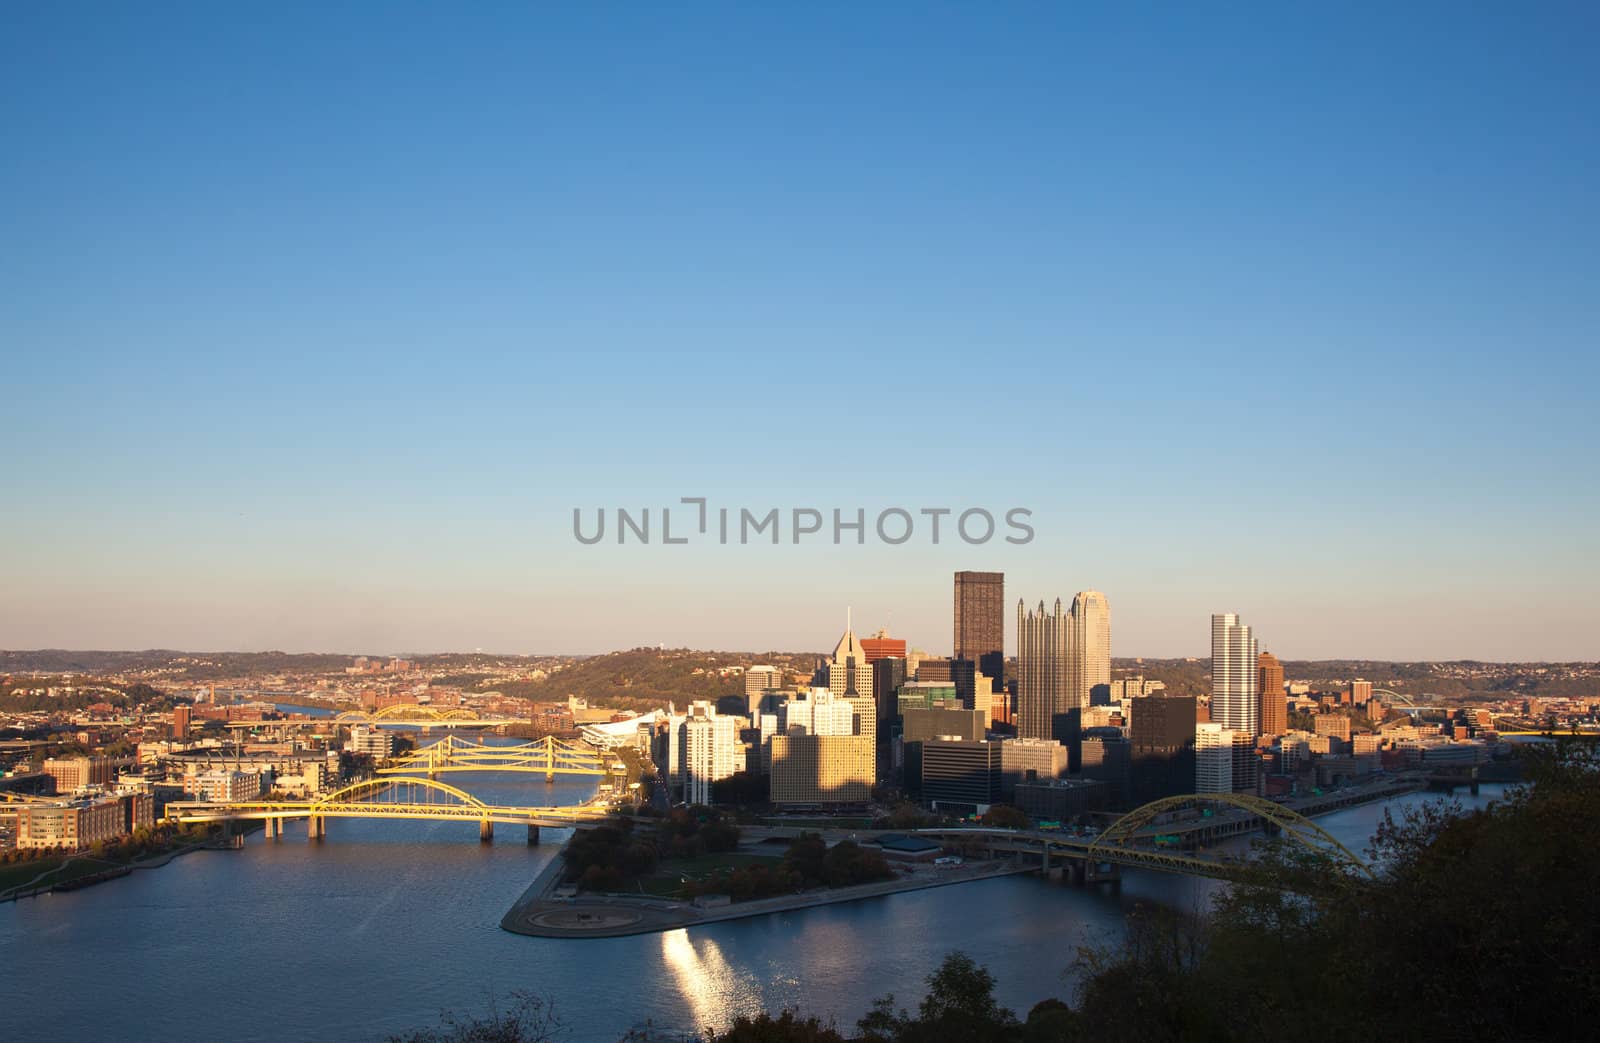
(548, 757)
(413, 715)
(385, 798)
(1164, 836)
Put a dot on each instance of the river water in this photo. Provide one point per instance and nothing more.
(384, 924)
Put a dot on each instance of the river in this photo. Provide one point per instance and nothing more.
(382, 925)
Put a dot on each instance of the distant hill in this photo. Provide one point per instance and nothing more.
(644, 678)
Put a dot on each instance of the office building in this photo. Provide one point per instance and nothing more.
(69, 825)
(1089, 649)
(1335, 724)
(1274, 701)
(882, 646)
(758, 680)
(1213, 759)
(848, 673)
(1107, 756)
(980, 622)
(1029, 760)
(1062, 800)
(1042, 682)
(821, 769)
(1235, 704)
(922, 725)
(963, 673)
(182, 716)
(888, 674)
(1360, 693)
(823, 750)
(1162, 755)
(374, 742)
(961, 775)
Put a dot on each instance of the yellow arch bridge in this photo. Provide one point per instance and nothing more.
(415, 715)
(385, 798)
(548, 757)
(1154, 837)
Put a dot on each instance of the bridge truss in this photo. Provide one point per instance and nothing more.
(385, 798)
(548, 757)
(1125, 840)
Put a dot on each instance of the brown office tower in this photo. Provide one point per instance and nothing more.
(1274, 704)
(980, 632)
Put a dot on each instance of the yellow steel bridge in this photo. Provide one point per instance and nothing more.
(415, 715)
(385, 798)
(1131, 840)
(548, 757)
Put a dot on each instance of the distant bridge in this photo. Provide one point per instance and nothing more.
(415, 715)
(1132, 840)
(384, 798)
(548, 757)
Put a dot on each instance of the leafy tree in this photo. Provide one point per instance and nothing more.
(960, 1005)
(1005, 816)
(788, 1027)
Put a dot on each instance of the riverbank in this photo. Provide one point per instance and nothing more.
(540, 914)
(89, 876)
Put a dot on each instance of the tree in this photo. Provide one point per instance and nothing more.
(1005, 816)
(959, 1006)
(787, 1027)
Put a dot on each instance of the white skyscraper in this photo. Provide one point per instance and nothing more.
(1234, 701)
(711, 750)
(1088, 646)
(1213, 759)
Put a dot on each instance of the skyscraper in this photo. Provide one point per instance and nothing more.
(1088, 647)
(980, 618)
(1234, 702)
(882, 646)
(1274, 704)
(1042, 693)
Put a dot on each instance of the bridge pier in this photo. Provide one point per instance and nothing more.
(549, 778)
(485, 831)
(316, 828)
(271, 828)
(533, 835)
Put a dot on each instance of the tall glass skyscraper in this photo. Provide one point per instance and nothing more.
(1042, 693)
(1235, 702)
(1088, 647)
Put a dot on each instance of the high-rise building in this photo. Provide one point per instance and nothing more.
(882, 646)
(1042, 682)
(963, 673)
(961, 774)
(1213, 759)
(848, 672)
(1234, 702)
(823, 751)
(1360, 692)
(1088, 648)
(182, 715)
(888, 674)
(980, 622)
(760, 679)
(1162, 737)
(1029, 760)
(923, 725)
(711, 750)
(1274, 701)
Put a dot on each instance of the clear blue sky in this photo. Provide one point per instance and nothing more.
(319, 320)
